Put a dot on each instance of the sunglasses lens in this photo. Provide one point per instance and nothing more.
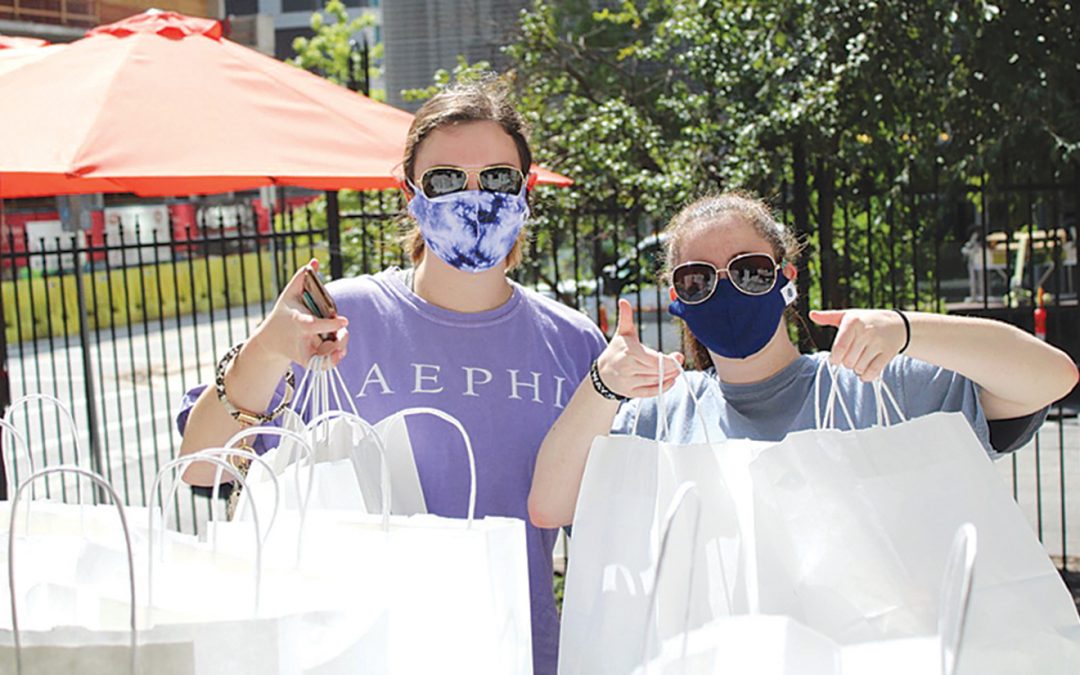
(693, 283)
(753, 274)
(442, 181)
(501, 179)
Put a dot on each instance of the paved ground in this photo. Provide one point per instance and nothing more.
(137, 379)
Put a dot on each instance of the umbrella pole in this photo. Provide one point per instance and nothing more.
(5, 385)
(333, 234)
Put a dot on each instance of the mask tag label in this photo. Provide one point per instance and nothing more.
(789, 293)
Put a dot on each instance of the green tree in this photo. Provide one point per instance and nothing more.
(648, 103)
(463, 71)
(366, 242)
(330, 52)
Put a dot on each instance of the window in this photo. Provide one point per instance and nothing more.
(283, 40)
(241, 7)
(300, 6)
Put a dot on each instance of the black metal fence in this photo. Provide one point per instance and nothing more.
(119, 329)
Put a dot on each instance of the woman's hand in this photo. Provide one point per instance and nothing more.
(631, 369)
(291, 333)
(627, 367)
(866, 339)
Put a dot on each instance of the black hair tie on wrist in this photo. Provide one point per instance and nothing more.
(907, 330)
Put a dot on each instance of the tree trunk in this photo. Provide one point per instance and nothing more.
(801, 214)
(825, 186)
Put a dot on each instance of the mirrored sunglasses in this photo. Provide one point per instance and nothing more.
(443, 180)
(750, 273)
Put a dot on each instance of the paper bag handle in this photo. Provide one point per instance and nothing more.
(108, 489)
(228, 453)
(182, 463)
(302, 444)
(384, 466)
(674, 507)
(662, 430)
(958, 578)
(882, 397)
(453, 421)
(6, 428)
(26, 399)
(317, 390)
(827, 419)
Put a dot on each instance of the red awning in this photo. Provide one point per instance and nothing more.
(161, 104)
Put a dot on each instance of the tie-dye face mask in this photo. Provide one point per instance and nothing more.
(472, 230)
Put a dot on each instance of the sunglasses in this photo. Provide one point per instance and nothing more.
(444, 180)
(750, 273)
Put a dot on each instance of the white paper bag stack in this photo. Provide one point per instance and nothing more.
(843, 533)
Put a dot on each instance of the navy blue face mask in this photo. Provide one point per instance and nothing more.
(733, 324)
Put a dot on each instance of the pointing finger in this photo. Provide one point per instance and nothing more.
(827, 317)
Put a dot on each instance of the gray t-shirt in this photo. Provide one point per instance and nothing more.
(771, 409)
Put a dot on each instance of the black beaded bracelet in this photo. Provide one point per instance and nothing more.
(600, 387)
(907, 331)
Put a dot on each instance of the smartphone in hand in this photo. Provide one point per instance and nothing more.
(317, 299)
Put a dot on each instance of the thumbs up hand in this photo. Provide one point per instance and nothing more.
(866, 339)
(631, 369)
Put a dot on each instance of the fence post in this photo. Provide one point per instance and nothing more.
(5, 391)
(94, 430)
(333, 233)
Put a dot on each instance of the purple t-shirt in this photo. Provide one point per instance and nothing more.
(506, 374)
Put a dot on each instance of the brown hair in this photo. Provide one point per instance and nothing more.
(707, 211)
(485, 100)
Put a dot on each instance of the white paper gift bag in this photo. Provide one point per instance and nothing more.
(625, 491)
(778, 645)
(451, 595)
(843, 532)
(55, 649)
(201, 620)
(343, 462)
(851, 522)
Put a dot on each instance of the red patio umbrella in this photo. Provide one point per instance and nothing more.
(17, 52)
(10, 42)
(161, 104)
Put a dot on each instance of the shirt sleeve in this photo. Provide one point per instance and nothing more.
(1012, 434)
(635, 408)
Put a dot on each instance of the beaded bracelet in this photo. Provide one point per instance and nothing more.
(246, 417)
(600, 387)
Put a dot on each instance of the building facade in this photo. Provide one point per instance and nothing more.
(286, 20)
(422, 36)
(67, 20)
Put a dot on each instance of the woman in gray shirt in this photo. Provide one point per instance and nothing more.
(731, 266)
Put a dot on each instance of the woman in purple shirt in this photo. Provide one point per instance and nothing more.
(453, 332)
